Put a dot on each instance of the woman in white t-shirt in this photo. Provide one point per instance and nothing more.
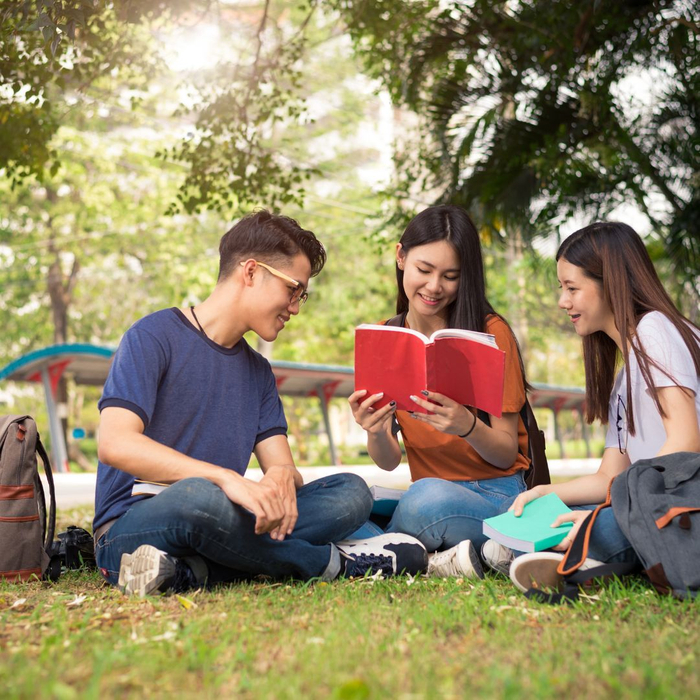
(613, 296)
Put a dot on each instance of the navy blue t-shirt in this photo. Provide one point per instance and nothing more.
(203, 400)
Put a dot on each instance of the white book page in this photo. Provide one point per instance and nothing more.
(485, 338)
(394, 329)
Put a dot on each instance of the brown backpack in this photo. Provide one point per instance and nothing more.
(26, 530)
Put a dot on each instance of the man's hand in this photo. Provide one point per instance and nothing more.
(282, 478)
(262, 499)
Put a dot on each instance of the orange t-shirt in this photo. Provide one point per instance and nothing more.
(432, 453)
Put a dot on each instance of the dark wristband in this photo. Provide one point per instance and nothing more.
(471, 430)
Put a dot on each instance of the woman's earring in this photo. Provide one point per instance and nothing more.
(400, 264)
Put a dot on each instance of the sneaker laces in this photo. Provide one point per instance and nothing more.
(358, 565)
(445, 562)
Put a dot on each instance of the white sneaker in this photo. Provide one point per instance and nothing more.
(460, 560)
(539, 570)
(497, 556)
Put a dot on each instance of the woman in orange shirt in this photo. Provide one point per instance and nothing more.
(464, 469)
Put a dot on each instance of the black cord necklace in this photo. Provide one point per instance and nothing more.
(199, 325)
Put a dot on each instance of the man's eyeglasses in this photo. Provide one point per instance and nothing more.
(298, 294)
(621, 425)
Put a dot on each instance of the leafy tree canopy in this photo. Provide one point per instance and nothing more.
(534, 111)
(52, 48)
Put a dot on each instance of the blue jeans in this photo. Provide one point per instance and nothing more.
(193, 517)
(442, 513)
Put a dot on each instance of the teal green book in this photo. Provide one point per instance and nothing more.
(385, 500)
(532, 531)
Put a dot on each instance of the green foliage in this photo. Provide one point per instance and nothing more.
(46, 49)
(528, 112)
(234, 149)
(232, 152)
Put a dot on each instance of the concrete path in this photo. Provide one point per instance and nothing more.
(79, 489)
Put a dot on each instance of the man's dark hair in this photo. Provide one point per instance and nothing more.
(270, 238)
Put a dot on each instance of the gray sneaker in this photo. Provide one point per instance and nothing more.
(390, 554)
(149, 570)
(497, 556)
(461, 561)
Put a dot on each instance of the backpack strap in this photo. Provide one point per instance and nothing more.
(577, 552)
(399, 320)
(51, 524)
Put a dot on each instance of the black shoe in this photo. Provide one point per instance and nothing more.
(149, 570)
(389, 554)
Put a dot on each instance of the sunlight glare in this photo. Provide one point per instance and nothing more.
(192, 48)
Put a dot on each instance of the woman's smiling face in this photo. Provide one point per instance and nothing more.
(431, 275)
(582, 299)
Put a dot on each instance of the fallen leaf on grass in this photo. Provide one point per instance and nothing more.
(20, 605)
(673, 623)
(165, 637)
(186, 602)
(78, 600)
(532, 612)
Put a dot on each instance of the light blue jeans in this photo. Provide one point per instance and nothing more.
(194, 517)
(442, 513)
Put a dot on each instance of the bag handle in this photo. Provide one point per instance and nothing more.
(577, 553)
(51, 528)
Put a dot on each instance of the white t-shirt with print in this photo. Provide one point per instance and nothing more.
(663, 343)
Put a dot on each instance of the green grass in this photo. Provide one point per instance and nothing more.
(348, 639)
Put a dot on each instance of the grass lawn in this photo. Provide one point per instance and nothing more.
(348, 639)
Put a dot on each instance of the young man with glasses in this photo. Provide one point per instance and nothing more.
(186, 402)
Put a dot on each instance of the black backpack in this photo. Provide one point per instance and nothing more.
(538, 471)
(27, 545)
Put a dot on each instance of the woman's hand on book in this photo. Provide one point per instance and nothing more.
(523, 499)
(445, 415)
(576, 517)
(366, 416)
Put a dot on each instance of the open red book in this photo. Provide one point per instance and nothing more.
(466, 366)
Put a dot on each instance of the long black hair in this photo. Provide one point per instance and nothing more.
(470, 308)
(614, 255)
(452, 224)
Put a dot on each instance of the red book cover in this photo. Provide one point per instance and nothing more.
(466, 366)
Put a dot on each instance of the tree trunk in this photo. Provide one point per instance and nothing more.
(60, 288)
